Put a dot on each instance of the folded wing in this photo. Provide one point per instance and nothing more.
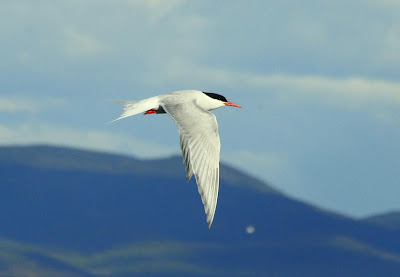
(200, 144)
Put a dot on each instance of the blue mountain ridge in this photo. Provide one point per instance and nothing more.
(89, 202)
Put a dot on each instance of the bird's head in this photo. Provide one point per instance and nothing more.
(220, 100)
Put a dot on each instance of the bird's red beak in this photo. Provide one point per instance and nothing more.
(232, 104)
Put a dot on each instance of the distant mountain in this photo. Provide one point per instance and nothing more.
(80, 212)
(388, 220)
(63, 158)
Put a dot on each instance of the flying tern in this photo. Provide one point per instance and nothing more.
(198, 134)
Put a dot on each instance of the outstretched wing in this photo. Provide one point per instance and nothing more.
(200, 144)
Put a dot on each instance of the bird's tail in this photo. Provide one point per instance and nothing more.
(135, 107)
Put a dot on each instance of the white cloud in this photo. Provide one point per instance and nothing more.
(79, 44)
(90, 139)
(144, 36)
(372, 95)
(156, 9)
(350, 92)
(353, 91)
(6, 134)
(27, 104)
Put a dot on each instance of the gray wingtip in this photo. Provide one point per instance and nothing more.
(210, 219)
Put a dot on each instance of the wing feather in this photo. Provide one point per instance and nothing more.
(200, 145)
(186, 158)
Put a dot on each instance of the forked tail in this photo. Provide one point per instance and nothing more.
(136, 107)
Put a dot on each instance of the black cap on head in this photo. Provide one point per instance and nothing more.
(216, 96)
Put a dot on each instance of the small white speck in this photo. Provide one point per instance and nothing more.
(250, 229)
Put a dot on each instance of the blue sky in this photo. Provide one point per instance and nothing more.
(319, 82)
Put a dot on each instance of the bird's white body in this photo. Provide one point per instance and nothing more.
(172, 98)
(198, 133)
